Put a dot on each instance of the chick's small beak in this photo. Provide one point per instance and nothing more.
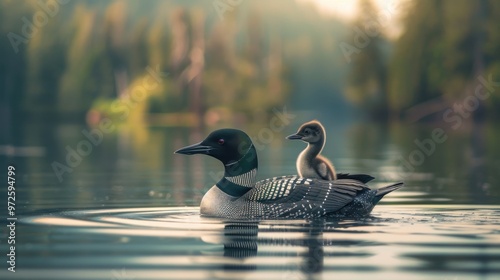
(197, 148)
(294, 137)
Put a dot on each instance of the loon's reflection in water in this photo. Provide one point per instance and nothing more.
(241, 241)
(153, 243)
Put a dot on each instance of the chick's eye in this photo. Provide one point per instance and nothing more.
(220, 141)
(306, 132)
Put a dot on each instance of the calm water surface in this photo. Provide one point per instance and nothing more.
(129, 210)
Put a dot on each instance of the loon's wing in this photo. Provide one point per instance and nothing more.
(364, 178)
(289, 195)
(275, 188)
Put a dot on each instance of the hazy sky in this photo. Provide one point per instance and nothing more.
(347, 10)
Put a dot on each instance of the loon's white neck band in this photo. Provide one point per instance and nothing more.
(245, 180)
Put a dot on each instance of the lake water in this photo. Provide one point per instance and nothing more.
(129, 209)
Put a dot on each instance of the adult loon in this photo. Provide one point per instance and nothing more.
(239, 196)
(310, 164)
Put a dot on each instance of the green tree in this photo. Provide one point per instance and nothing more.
(445, 46)
(366, 81)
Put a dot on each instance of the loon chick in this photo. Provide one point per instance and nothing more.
(239, 196)
(310, 164)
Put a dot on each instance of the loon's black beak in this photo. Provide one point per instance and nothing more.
(294, 137)
(197, 148)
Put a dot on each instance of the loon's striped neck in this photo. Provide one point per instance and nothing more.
(238, 185)
(240, 175)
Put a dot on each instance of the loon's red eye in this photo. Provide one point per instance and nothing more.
(220, 141)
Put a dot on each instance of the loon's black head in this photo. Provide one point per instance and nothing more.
(310, 132)
(232, 147)
(236, 151)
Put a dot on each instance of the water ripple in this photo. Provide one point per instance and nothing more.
(411, 242)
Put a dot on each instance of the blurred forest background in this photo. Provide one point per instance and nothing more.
(382, 81)
(179, 62)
